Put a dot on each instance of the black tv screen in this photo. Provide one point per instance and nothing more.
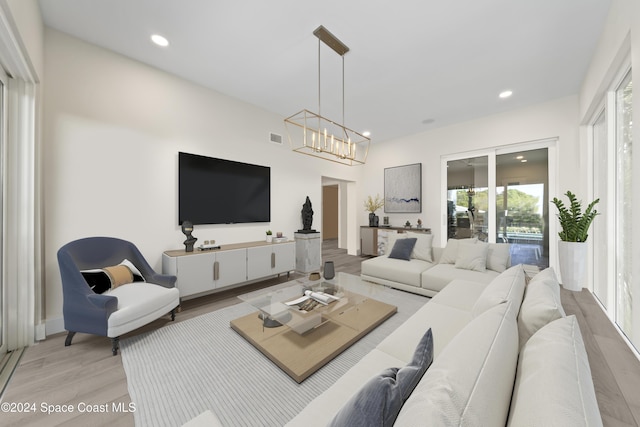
(218, 191)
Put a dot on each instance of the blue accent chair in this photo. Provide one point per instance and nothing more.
(119, 310)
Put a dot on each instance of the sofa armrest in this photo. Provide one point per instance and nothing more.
(164, 280)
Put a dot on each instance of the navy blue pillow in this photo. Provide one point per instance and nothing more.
(379, 401)
(402, 248)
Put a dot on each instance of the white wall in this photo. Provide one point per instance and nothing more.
(620, 41)
(112, 131)
(558, 118)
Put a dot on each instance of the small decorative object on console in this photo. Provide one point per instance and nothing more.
(187, 229)
(269, 236)
(314, 276)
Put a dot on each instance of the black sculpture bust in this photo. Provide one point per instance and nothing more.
(307, 217)
(187, 229)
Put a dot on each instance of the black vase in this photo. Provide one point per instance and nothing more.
(329, 270)
(372, 219)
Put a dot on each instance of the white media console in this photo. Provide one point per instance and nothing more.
(203, 272)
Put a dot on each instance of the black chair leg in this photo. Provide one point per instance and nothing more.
(67, 341)
(173, 314)
(115, 345)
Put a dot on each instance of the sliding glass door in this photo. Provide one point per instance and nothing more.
(522, 205)
(468, 198)
(502, 196)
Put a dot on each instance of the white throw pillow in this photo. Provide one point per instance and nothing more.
(472, 256)
(450, 251)
(471, 382)
(553, 382)
(423, 248)
(508, 286)
(541, 304)
(498, 256)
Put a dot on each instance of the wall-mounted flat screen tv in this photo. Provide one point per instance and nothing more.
(218, 191)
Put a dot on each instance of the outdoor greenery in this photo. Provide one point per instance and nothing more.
(574, 223)
(524, 216)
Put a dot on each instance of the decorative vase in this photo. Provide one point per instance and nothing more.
(329, 270)
(573, 264)
(372, 219)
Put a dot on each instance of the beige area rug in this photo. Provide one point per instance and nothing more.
(178, 371)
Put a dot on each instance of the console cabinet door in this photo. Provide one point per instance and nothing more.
(284, 258)
(195, 273)
(231, 267)
(259, 262)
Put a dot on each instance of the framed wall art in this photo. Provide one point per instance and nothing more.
(403, 189)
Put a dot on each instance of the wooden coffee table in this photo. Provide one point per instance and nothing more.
(304, 342)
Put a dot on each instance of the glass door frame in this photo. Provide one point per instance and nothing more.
(3, 156)
(492, 153)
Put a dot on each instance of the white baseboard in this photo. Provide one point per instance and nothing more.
(54, 326)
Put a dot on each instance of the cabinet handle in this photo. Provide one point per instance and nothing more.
(273, 260)
(216, 270)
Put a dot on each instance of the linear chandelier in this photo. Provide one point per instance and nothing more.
(314, 135)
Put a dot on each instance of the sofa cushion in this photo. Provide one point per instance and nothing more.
(424, 246)
(472, 380)
(553, 382)
(541, 304)
(451, 250)
(321, 410)
(440, 275)
(508, 286)
(379, 401)
(402, 249)
(395, 270)
(472, 256)
(461, 294)
(445, 323)
(498, 256)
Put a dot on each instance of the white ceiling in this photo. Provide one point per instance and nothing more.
(411, 61)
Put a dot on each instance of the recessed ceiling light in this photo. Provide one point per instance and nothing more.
(159, 40)
(519, 157)
(366, 133)
(505, 94)
(524, 160)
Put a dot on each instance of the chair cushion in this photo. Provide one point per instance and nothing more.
(553, 381)
(541, 304)
(138, 304)
(472, 256)
(470, 383)
(402, 249)
(508, 286)
(379, 401)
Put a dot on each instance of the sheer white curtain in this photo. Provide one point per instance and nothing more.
(22, 233)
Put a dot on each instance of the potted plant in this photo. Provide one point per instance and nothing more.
(269, 236)
(572, 247)
(372, 205)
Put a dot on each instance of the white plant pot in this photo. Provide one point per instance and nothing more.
(573, 264)
(269, 238)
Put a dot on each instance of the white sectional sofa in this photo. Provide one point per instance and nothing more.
(498, 359)
(428, 269)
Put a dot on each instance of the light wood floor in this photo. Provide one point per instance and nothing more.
(86, 373)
